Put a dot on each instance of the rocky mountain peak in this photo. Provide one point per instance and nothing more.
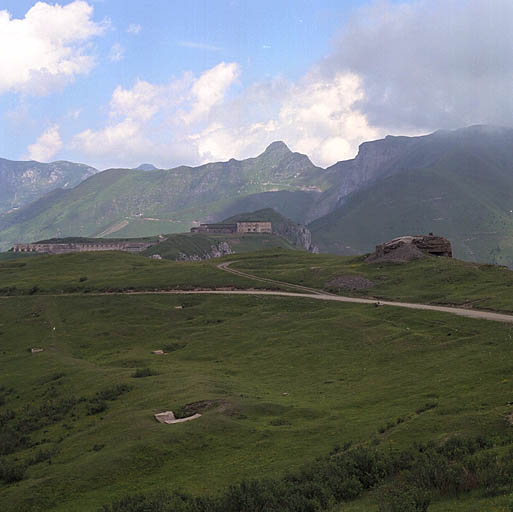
(277, 147)
(146, 167)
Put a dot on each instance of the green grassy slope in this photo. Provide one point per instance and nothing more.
(291, 204)
(108, 271)
(203, 246)
(292, 377)
(430, 280)
(296, 377)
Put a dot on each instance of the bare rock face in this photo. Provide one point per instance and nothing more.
(216, 251)
(407, 248)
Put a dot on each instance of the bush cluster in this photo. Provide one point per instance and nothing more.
(407, 480)
(143, 372)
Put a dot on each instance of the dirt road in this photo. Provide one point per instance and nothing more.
(312, 293)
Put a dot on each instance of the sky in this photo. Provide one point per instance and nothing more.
(115, 83)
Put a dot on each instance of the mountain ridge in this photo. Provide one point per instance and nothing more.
(22, 182)
(457, 183)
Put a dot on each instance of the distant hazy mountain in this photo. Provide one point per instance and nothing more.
(146, 167)
(24, 182)
(121, 202)
(458, 184)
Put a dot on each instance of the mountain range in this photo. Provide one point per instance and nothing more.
(456, 183)
(24, 182)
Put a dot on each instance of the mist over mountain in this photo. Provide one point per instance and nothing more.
(458, 184)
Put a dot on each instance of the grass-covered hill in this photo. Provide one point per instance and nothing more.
(325, 406)
(131, 203)
(432, 280)
(199, 246)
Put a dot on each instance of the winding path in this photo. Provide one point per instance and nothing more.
(312, 293)
(303, 292)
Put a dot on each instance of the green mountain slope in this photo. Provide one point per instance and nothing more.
(24, 182)
(291, 204)
(457, 184)
(130, 203)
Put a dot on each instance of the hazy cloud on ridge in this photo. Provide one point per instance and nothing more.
(432, 63)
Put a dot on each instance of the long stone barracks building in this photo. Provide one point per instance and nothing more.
(50, 248)
(236, 227)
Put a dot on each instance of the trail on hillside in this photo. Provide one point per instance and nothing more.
(312, 293)
(302, 292)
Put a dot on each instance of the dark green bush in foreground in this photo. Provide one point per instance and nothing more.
(408, 481)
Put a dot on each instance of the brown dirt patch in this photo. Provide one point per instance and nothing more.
(202, 406)
(350, 282)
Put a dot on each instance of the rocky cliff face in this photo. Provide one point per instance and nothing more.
(216, 251)
(375, 160)
(24, 182)
(297, 234)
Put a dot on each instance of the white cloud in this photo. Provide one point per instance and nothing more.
(117, 53)
(134, 28)
(46, 146)
(148, 122)
(46, 48)
(315, 116)
(193, 120)
(210, 89)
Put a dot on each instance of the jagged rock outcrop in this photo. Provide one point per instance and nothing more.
(216, 251)
(407, 248)
(375, 160)
(297, 234)
(24, 182)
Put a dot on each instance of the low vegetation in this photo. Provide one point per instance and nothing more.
(306, 404)
(430, 280)
(108, 272)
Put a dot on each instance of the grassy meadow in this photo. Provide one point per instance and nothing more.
(108, 271)
(279, 381)
(431, 280)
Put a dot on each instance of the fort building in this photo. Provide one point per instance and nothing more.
(65, 248)
(235, 227)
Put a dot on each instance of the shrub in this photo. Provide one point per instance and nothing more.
(144, 372)
(404, 498)
(113, 393)
(95, 407)
(10, 472)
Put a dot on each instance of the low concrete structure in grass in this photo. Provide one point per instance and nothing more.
(168, 417)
